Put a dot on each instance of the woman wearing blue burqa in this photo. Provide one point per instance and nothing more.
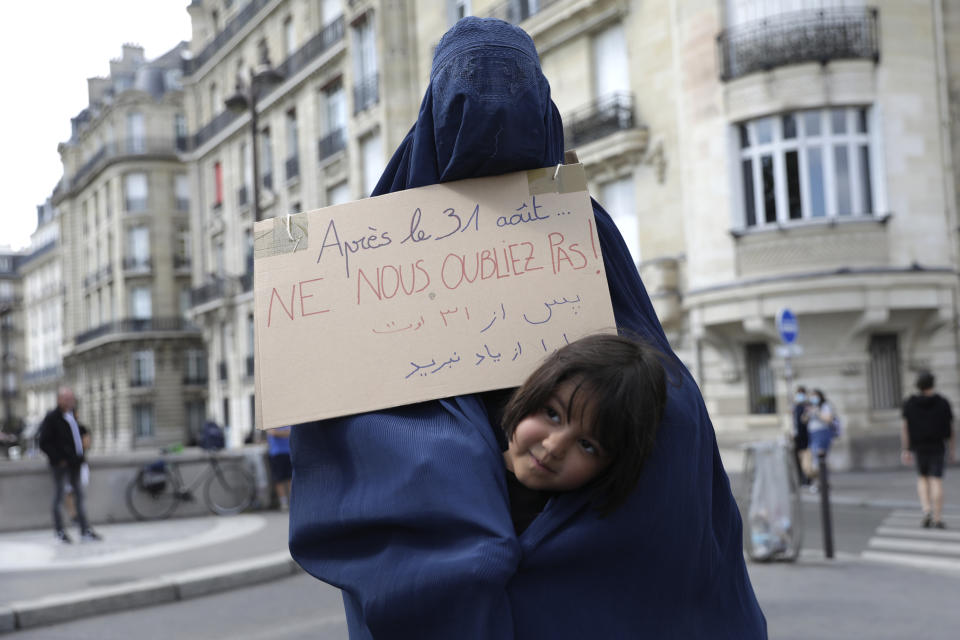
(406, 510)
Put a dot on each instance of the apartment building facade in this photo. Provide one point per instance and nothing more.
(43, 294)
(306, 84)
(11, 342)
(137, 365)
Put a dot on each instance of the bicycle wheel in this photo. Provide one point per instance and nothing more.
(154, 502)
(229, 490)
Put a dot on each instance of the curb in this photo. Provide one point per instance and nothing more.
(172, 587)
(873, 503)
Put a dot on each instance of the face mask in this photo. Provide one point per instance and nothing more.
(814, 400)
(799, 398)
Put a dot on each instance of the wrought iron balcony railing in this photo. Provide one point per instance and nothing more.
(181, 262)
(326, 38)
(366, 92)
(141, 381)
(47, 373)
(135, 325)
(818, 35)
(212, 290)
(232, 28)
(600, 118)
(197, 379)
(332, 143)
(135, 205)
(516, 11)
(313, 48)
(118, 150)
(134, 263)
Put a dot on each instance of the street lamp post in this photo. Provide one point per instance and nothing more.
(245, 99)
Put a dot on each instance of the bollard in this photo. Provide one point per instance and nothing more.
(825, 505)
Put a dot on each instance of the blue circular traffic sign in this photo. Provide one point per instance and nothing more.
(787, 325)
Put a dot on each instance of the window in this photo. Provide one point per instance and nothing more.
(760, 379)
(289, 37)
(293, 161)
(184, 301)
(371, 154)
(196, 415)
(141, 303)
(226, 413)
(195, 366)
(246, 167)
(217, 184)
(135, 192)
(181, 190)
(266, 154)
(248, 250)
(142, 374)
(180, 131)
(138, 247)
(611, 70)
(216, 103)
(332, 10)
(143, 420)
(219, 258)
(135, 142)
(805, 165)
(885, 391)
(334, 110)
(365, 91)
(619, 200)
(338, 194)
(457, 9)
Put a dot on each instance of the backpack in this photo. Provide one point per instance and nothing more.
(836, 426)
(211, 438)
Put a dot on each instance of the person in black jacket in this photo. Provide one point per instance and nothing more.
(926, 436)
(61, 442)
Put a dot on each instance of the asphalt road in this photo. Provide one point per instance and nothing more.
(839, 599)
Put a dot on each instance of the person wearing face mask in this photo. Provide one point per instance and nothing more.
(819, 420)
(801, 436)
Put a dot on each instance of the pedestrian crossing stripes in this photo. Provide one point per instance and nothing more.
(901, 540)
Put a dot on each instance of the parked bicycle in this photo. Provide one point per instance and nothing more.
(158, 488)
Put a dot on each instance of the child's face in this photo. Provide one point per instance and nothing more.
(552, 451)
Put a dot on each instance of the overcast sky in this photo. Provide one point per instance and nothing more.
(48, 50)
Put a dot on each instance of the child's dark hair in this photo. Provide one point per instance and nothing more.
(624, 392)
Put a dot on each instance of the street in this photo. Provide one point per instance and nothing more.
(848, 597)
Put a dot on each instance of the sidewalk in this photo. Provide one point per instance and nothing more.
(147, 563)
(137, 564)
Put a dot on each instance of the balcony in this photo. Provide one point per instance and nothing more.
(141, 381)
(366, 92)
(602, 117)
(135, 205)
(293, 167)
(332, 143)
(300, 59)
(212, 128)
(799, 36)
(328, 36)
(232, 28)
(213, 290)
(135, 325)
(120, 150)
(137, 264)
(516, 11)
(45, 374)
(195, 378)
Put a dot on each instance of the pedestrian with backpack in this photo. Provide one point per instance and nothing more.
(927, 436)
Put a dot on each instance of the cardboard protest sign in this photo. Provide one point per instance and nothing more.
(422, 294)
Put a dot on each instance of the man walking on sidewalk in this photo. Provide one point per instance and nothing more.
(61, 441)
(926, 435)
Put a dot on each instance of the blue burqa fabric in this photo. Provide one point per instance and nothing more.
(406, 510)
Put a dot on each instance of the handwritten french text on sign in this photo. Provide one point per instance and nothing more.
(423, 294)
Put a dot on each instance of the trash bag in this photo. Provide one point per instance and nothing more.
(773, 529)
